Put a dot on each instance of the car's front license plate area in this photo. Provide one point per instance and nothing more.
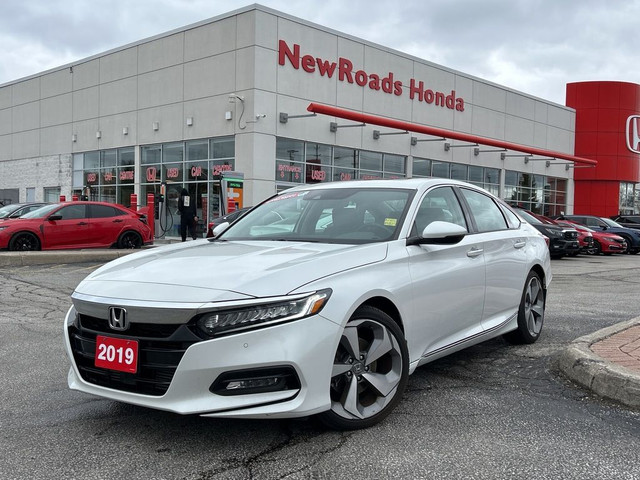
(116, 354)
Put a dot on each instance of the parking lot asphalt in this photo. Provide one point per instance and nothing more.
(607, 362)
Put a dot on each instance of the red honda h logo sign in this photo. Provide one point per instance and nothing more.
(633, 133)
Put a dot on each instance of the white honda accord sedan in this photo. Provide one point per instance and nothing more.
(321, 300)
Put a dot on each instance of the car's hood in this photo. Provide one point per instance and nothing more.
(204, 271)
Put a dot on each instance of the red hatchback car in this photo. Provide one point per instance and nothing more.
(76, 225)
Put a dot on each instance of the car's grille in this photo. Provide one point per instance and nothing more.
(135, 330)
(568, 235)
(158, 355)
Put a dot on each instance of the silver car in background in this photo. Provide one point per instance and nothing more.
(321, 300)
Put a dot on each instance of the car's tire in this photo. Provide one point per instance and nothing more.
(130, 239)
(597, 248)
(627, 239)
(530, 313)
(24, 241)
(370, 371)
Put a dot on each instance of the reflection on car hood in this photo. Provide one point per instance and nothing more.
(205, 271)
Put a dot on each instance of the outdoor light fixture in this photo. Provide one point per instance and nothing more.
(448, 146)
(156, 126)
(284, 117)
(333, 126)
(98, 134)
(189, 121)
(125, 130)
(377, 134)
(415, 140)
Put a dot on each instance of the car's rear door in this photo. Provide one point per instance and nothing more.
(105, 224)
(505, 249)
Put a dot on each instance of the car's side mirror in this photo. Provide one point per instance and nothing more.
(220, 228)
(439, 233)
(51, 218)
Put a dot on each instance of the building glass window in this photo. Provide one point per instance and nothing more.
(440, 169)
(51, 194)
(300, 162)
(421, 167)
(537, 193)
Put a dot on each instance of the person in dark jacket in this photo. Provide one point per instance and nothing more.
(188, 218)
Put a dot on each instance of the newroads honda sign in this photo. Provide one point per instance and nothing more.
(346, 72)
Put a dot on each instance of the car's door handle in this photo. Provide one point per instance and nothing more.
(519, 244)
(118, 220)
(83, 223)
(474, 252)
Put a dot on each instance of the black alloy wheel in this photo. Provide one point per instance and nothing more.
(130, 240)
(370, 371)
(24, 241)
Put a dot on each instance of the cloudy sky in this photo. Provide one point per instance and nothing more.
(535, 46)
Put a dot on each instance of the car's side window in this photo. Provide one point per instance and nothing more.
(72, 212)
(512, 218)
(439, 204)
(103, 211)
(486, 213)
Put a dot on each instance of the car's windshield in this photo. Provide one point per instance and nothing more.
(332, 215)
(6, 210)
(41, 212)
(611, 223)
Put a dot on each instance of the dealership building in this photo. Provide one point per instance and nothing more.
(266, 101)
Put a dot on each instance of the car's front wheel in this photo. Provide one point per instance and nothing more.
(24, 241)
(370, 371)
(530, 313)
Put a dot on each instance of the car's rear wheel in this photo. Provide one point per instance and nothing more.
(530, 313)
(24, 241)
(130, 239)
(370, 371)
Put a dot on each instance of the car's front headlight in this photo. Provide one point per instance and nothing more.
(282, 309)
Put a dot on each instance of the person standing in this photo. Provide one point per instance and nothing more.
(188, 217)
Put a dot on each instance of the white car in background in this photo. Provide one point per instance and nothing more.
(321, 300)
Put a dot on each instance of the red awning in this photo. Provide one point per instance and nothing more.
(441, 132)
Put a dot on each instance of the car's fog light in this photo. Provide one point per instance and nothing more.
(260, 380)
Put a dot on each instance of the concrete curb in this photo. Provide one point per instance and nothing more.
(18, 259)
(591, 371)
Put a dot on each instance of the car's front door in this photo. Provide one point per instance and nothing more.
(448, 280)
(68, 227)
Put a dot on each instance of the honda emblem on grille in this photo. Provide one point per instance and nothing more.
(118, 318)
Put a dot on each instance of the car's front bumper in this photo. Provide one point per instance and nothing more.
(308, 346)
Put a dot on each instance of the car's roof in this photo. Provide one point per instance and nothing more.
(405, 183)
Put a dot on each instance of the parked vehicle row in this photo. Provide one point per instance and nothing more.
(631, 236)
(75, 225)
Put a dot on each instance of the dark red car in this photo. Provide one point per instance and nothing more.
(76, 225)
(603, 242)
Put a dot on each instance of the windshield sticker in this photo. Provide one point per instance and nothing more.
(286, 196)
(390, 222)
